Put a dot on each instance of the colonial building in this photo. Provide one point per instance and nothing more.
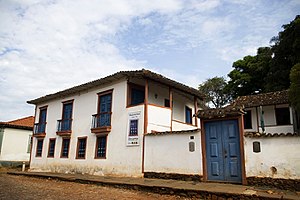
(99, 127)
(15, 140)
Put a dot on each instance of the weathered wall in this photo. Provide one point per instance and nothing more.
(279, 157)
(15, 145)
(159, 119)
(170, 154)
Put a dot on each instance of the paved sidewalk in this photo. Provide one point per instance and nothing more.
(183, 188)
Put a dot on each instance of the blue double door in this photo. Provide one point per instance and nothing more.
(223, 157)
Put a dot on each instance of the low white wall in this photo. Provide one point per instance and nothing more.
(170, 154)
(281, 153)
(180, 126)
(159, 119)
(278, 129)
(15, 145)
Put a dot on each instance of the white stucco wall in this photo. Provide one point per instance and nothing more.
(121, 159)
(15, 145)
(170, 154)
(159, 119)
(279, 152)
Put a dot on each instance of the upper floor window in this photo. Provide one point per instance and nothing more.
(65, 124)
(51, 148)
(248, 120)
(81, 148)
(188, 115)
(283, 116)
(65, 148)
(40, 127)
(39, 148)
(136, 94)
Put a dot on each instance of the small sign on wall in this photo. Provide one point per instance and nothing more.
(133, 128)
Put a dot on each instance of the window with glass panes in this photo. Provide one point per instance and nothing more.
(65, 148)
(101, 147)
(39, 148)
(51, 147)
(81, 148)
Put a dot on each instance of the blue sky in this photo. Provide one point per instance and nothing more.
(50, 45)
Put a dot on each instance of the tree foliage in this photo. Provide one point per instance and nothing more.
(294, 91)
(214, 88)
(269, 70)
(248, 76)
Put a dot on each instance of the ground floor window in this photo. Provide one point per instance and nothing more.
(283, 116)
(101, 147)
(65, 148)
(39, 147)
(81, 148)
(51, 148)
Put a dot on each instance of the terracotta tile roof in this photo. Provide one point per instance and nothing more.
(23, 123)
(271, 98)
(227, 111)
(257, 134)
(173, 132)
(117, 76)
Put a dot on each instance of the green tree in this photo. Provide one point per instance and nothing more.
(214, 89)
(294, 91)
(286, 52)
(249, 74)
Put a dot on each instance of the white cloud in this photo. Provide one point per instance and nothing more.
(46, 46)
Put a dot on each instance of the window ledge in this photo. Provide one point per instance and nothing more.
(64, 133)
(39, 135)
(101, 130)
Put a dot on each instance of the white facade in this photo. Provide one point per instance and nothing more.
(14, 144)
(171, 153)
(123, 158)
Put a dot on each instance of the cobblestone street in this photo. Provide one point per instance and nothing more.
(20, 187)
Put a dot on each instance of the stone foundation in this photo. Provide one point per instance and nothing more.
(283, 184)
(182, 177)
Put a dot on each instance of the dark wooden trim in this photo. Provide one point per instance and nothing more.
(257, 121)
(30, 155)
(102, 94)
(195, 111)
(63, 108)
(129, 87)
(174, 120)
(130, 106)
(191, 115)
(242, 155)
(159, 106)
(37, 147)
(104, 130)
(51, 139)
(61, 151)
(241, 131)
(203, 147)
(96, 147)
(145, 123)
(64, 133)
(171, 106)
(68, 101)
(79, 138)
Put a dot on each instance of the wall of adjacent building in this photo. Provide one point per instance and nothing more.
(278, 158)
(15, 145)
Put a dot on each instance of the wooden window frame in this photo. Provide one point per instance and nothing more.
(130, 86)
(77, 149)
(191, 115)
(50, 141)
(276, 113)
(36, 150)
(247, 112)
(97, 145)
(101, 94)
(62, 147)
